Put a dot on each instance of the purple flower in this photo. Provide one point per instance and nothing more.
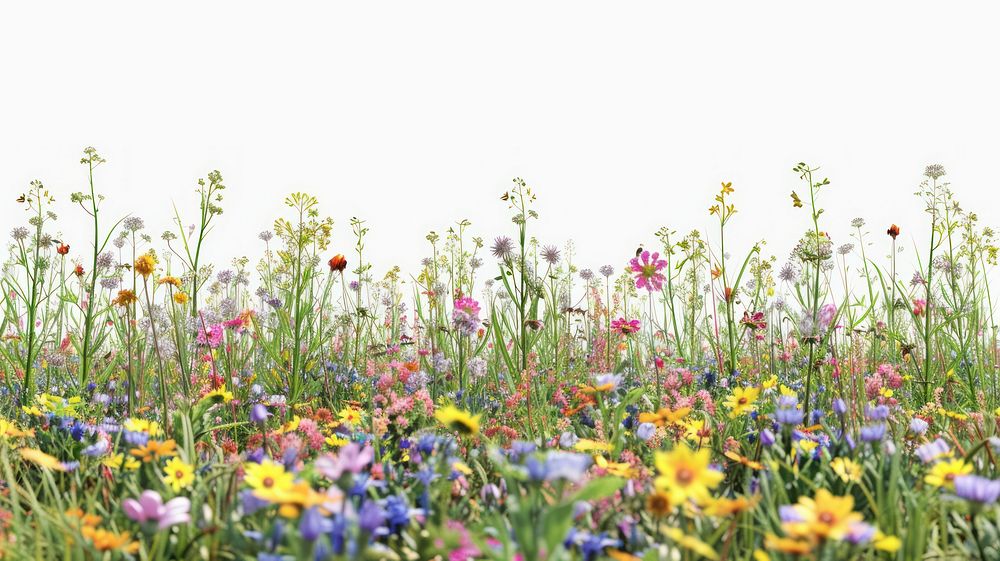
(259, 414)
(860, 533)
(918, 426)
(646, 431)
(933, 450)
(873, 433)
(151, 508)
(352, 458)
(839, 407)
(371, 517)
(313, 524)
(879, 413)
(767, 438)
(977, 489)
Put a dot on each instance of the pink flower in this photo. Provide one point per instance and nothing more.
(150, 508)
(352, 458)
(648, 271)
(625, 326)
(212, 338)
(919, 305)
(826, 315)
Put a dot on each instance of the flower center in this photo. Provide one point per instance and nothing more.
(827, 518)
(685, 476)
(179, 474)
(268, 482)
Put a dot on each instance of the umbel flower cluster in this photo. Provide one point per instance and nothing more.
(503, 401)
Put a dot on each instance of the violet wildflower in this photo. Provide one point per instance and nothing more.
(977, 489)
(933, 451)
(918, 426)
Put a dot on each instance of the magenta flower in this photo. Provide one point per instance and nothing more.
(625, 326)
(465, 316)
(352, 458)
(151, 508)
(648, 271)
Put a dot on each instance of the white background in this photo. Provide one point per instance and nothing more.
(624, 118)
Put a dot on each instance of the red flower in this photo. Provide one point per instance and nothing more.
(338, 263)
(62, 249)
(893, 231)
(78, 271)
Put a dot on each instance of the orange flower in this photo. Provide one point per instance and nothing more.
(893, 231)
(62, 249)
(154, 450)
(105, 540)
(338, 263)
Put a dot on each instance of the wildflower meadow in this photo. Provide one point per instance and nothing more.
(502, 402)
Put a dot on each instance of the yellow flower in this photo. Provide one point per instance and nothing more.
(943, 474)
(181, 298)
(268, 479)
(621, 469)
(887, 543)
(457, 420)
(723, 507)
(808, 445)
(119, 460)
(9, 429)
(178, 475)
(219, 395)
(685, 474)
(770, 382)
(41, 459)
(741, 401)
(825, 517)
(690, 542)
(142, 425)
(144, 264)
(665, 416)
(290, 425)
(336, 441)
(588, 445)
(350, 415)
(693, 429)
(848, 470)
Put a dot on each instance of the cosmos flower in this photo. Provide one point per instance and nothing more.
(647, 269)
(625, 326)
(151, 508)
